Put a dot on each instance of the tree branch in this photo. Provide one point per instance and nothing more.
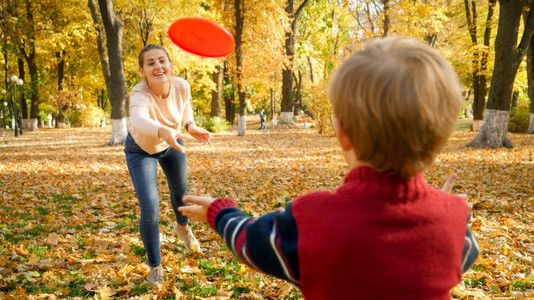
(527, 33)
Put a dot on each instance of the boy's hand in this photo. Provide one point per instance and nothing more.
(447, 186)
(199, 210)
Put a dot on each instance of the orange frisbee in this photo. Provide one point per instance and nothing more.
(202, 37)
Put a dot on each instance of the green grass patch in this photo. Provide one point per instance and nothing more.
(138, 250)
(80, 242)
(295, 295)
(478, 268)
(122, 225)
(522, 285)
(131, 217)
(198, 289)
(140, 288)
(59, 198)
(40, 251)
(475, 282)
(84, 226)
(209, 269)
(43, 211)
(238, 290)
(76, 286)
(22, 217)
(36, 231)
(66, 207)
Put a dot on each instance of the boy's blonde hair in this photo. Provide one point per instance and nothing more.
(398, 101)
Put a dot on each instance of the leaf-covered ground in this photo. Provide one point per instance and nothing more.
(69, 215)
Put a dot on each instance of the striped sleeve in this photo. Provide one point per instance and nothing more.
(471, 251)
(268, 243)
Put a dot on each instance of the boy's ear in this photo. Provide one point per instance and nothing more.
(342, 137)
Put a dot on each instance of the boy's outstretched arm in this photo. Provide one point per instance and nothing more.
(471, 250)
(267, 244)
(199, 210)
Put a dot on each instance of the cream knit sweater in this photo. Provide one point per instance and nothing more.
(147, 117)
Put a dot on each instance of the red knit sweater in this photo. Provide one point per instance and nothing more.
(380, 237)
(376, 237)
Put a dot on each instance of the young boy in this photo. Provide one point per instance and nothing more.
(384, 233)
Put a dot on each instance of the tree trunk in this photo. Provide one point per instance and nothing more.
(60, 118)
(229, 97)
(6, 65)
(273, 113)
(530, 80)
(216, 95)
(22, 96)
(494, 130)
(298, 94)
(239, 22)
(30, 57)
(34, 98)
(286, 113)
(117, 90)
(145, 25)
(311, 70)
(100, 42)
(515, 96)
(62, 107)
(508, 56)
(386, 22)
(60, 69)
(530, 129)
(480, 59)
(229, 109)
(24, 122)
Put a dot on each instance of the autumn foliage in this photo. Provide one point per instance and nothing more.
(69, 215)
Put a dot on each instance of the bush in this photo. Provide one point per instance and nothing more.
(321, 108)
(211, 124)
(519, 121)
(74, 117)
(90, 116)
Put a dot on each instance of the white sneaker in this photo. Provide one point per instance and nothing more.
(155, 275)
(190, 242)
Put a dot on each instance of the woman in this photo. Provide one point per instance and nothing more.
(159, 106)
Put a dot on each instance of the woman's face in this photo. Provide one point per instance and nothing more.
(156, 66)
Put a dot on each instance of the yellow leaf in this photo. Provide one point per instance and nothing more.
(106, 293)
(21, 249)
(52, 239)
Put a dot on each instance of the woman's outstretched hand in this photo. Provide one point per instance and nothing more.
(198, 211)
(201, 134)
(170, 135)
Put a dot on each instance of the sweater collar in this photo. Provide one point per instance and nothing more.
(390, 186)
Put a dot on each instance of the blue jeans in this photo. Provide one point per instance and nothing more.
(143, 171)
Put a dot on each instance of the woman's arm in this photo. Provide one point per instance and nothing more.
(140, 117)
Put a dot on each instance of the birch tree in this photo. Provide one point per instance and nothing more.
(112, 67)
(508, 57)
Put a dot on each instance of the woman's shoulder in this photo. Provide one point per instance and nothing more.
(140, 87)
(179, 82)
